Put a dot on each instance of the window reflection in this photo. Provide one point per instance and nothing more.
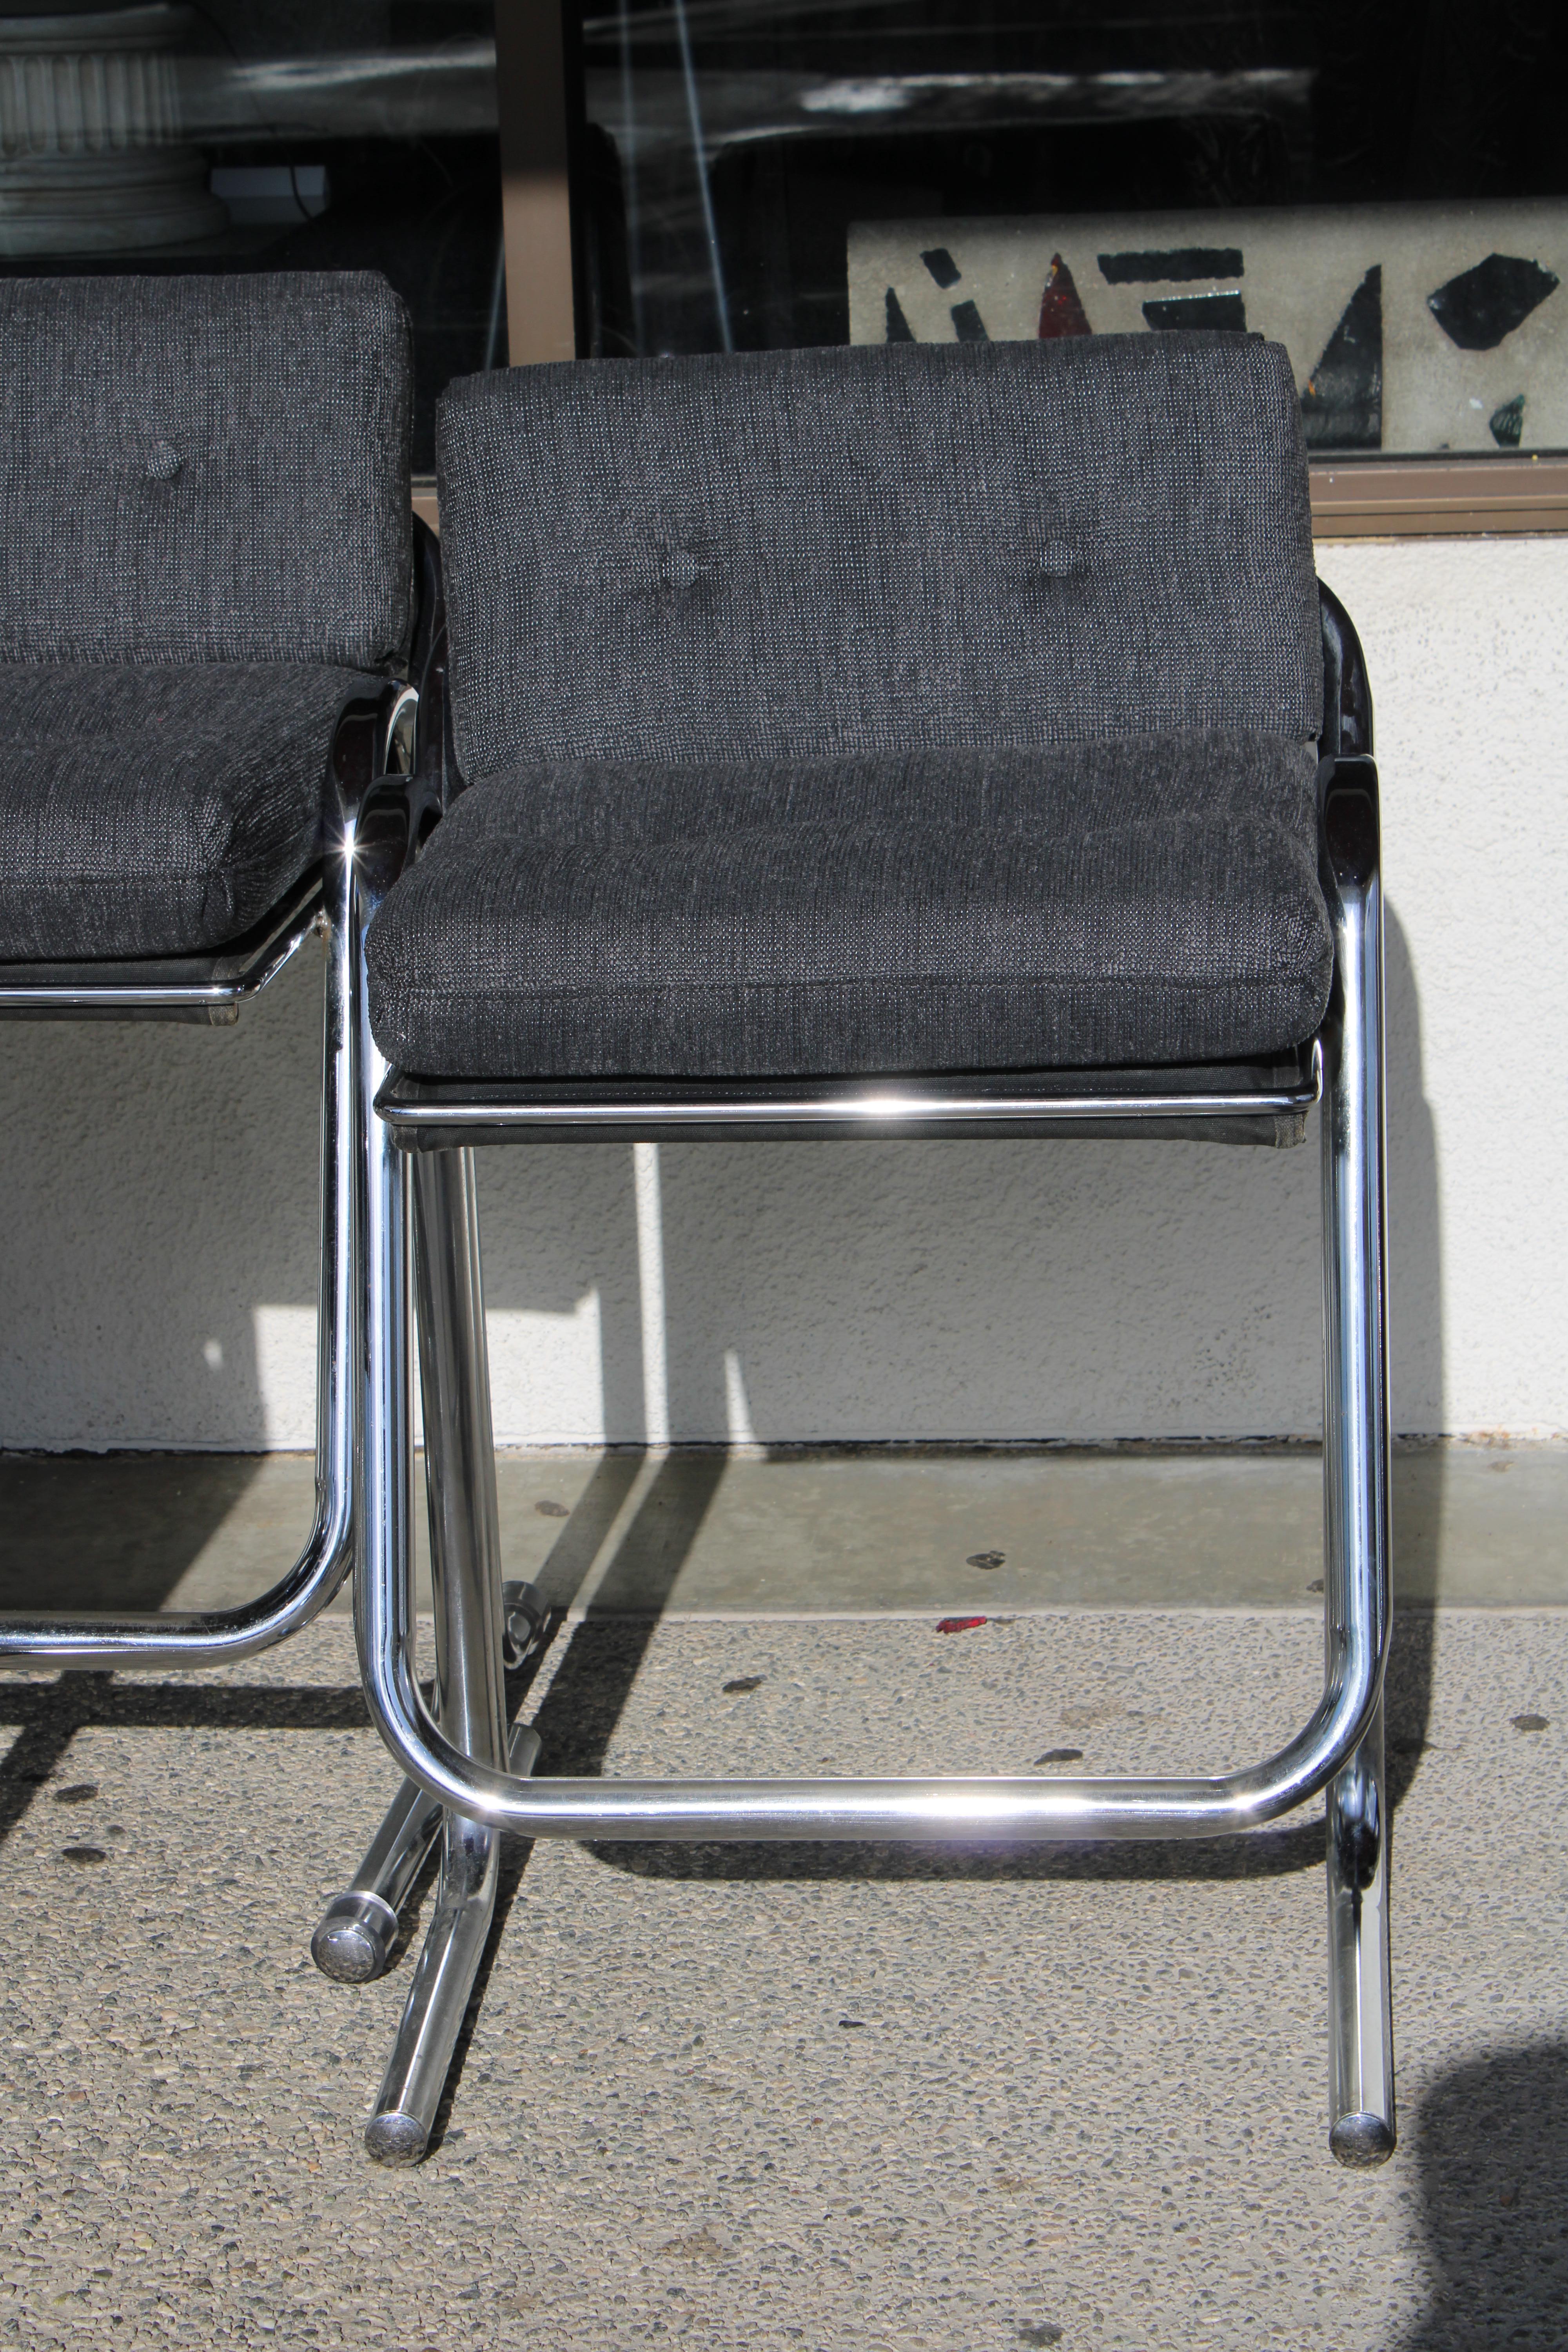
(267, 134)
(1379, 185)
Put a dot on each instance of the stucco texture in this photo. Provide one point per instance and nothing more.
(159, 1262)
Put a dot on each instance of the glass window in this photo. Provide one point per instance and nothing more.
(1384, 187)
(267, 134)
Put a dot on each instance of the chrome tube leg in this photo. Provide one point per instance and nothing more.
(470, 1696)
(1360, 2011)
(1355, 1467)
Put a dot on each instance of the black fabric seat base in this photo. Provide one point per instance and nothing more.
(1139, 901)
(158, 810)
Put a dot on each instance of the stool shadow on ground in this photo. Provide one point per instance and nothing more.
(111, 1531)
(585, 1702)
(593, 1684)
(50, 1714)
(1489, 2145)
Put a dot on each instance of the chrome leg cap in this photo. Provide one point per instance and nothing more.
(1361, 2140)
(396, 2139)
(353, 1943)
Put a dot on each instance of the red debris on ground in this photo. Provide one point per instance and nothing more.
(958, 1624)
(1061, 310)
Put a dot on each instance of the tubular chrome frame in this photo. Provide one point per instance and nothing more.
(1357, 1598)
(1356, 1581)
(212, 989)
(417, 1138)
(469, 1644)
(1233, 1105)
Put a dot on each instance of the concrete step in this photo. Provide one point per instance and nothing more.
(861, 1531)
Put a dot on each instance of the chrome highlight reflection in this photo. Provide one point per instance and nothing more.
(842, 1106)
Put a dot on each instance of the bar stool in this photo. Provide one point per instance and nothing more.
(898, 741)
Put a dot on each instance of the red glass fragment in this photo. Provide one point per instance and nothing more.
(958, 1624)
(1061, 312)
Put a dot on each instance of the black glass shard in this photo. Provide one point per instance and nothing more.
(1180, 266)
(969, 324)
(1482, 305)
(1342, 403)
(1227, 313)
(1506, 424)
(942, 267)
(898, 327)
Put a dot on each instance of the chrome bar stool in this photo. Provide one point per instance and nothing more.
(907, 741)
(208, 638)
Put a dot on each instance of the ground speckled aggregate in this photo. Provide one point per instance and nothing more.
(790, 2097)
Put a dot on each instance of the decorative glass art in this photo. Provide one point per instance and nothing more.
(1413, 328)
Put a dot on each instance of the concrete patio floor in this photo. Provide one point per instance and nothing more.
(799, 2096)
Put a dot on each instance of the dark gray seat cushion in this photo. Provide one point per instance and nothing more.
(881, 548)
(906, 708)
(204, 554)
(156, 811)
(1144, 900)
(204, 469)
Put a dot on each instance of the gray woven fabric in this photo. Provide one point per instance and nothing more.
(1147, 899)
(885, 548)
(204, 469)
(158, 811)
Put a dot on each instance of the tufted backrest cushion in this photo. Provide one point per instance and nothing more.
(204, 469)
(877, 548)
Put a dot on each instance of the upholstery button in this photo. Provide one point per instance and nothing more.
(163, 462)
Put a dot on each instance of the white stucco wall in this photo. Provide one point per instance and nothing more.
(158, 1268)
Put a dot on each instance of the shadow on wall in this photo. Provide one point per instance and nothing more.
(1415, 1360)
(961, 1291)
(162, 1197)
(162, 1190)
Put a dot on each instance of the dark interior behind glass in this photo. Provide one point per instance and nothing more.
(358, 134)
(727, 146)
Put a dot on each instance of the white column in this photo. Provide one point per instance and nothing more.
(91, 160)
